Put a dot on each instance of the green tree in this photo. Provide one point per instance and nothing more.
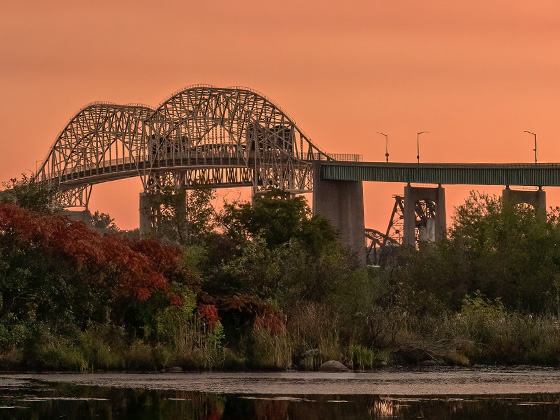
(282, 251)
(185, 216)
(102, 222)
(277, 218)
(30, 194)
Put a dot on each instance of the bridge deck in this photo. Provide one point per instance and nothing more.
(521, 174)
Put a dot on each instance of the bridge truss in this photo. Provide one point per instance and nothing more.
(380, 246)
(222, 137)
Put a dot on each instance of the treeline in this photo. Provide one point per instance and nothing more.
(267, 285)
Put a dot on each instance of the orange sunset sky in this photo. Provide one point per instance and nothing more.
(474, 74)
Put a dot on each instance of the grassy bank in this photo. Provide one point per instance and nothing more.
(481, 333)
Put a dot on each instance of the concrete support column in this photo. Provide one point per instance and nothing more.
(441, 214)
(78, 215)
(537, 199)
(342, 203)
(145, 213)
(409, 224)
(181, 218)
(541, 200)
(411, 196)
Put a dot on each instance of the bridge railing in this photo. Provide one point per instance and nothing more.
(80, 167)
(187, 157)
(342, 157)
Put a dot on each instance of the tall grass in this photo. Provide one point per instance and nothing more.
(483, 331)
(314, 330)
(269, 350)
(189, 341)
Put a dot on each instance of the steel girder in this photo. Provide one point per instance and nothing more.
(201, 135)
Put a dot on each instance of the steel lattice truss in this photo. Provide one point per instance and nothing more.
(201, 135)
(378, 247)
(423, 210)
(395, 228)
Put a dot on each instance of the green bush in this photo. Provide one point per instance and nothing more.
(47, 351)
(11, 359)
(103, 348)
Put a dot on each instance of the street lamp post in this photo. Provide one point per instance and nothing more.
(535, 149)
(386, 146)
(418, 145)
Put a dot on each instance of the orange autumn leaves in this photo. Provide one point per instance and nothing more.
(134, 268)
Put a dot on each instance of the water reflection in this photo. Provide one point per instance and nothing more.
(40, 401)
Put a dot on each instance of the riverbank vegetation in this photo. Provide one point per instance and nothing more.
(268, 286)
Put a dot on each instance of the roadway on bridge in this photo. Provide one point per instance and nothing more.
(518, 174)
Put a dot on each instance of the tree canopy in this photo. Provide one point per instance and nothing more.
(30, 194)
(508, 252)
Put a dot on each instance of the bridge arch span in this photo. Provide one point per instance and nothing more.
(219, 136)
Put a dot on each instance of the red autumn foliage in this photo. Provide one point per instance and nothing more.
(239, 303)
(163, 259)
(269, 320)
(175, 299)
(261, 312)
(136, 268)
(209, 313)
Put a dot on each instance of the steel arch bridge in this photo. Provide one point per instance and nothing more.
(222, 137)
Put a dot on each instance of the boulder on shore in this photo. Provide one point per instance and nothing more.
(333, 366)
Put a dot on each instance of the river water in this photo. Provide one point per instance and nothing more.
(435, 394)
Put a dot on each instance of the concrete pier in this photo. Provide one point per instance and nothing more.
(537, 198)
(436, 229)
(145, 213)
(342, 203)
(78, 215)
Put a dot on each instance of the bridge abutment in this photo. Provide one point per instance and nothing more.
(435, 227)
(537, 198)
(342, 203)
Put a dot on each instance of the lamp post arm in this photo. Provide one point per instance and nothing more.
(418, 145)
(535, 136)
(386, 145)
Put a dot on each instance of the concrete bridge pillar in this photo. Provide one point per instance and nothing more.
(342, 203)
(151, 212)
(78, 215)
(537, 198)
(435, 227)
(145, 213)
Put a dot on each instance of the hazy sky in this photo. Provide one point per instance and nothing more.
(475, 74)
